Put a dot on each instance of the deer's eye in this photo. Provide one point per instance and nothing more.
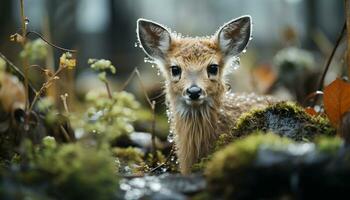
(175, 70)
(212, 69)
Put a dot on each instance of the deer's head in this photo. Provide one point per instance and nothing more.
(194, 68)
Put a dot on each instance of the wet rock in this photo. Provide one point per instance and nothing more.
(285, 119)
(165, 186)
(275, 167)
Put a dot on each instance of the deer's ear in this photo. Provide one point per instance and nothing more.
(233, 37)
(154, 38)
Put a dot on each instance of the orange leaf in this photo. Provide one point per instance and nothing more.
(311, 111)
(336, 100)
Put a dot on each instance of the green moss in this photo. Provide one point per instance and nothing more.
(131, 160)
(329, 144)
(236, 167)
(67, 171)
(241, 153)
(222, 141)
(286, 119)
(129, 154)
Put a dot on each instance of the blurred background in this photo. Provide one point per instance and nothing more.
(291, 38)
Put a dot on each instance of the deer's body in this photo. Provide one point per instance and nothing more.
(195, 86)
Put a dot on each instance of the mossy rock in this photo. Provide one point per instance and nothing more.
(66, 171)
(266, 165)
(285, 119)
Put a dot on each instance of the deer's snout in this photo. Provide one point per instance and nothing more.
(194, 92)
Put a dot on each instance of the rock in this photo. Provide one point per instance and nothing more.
(165, 186)
(285, 119)
(275, 167)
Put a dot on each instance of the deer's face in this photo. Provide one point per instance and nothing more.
(194, 67)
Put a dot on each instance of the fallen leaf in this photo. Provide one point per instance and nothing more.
(336, 100)
(311, 111)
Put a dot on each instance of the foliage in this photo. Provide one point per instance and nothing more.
(336, 100)
(329, 144)
(101, 66)
(131, 160)
(35, 50)
(241, 153)
(68, 171)
(107, 118)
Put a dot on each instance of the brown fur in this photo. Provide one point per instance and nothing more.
(196, 128)
(197, 123)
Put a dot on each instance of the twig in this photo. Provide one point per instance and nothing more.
(136, 73)
(108, 89)
(311, 96)
(25, 61)
(347, 13)
(24, 21)
(154, 150)
(64, 101)
(166, 160)
(152, 104)
(43, 87)
(65, 133)
(49, 43)
(330, 58)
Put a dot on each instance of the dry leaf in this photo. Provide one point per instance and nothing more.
(311, 111)
(16, 38)
(336, 100)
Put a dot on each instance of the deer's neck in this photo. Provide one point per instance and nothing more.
(195, 131)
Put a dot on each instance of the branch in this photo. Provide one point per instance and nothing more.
(49, 43)
(330, 58)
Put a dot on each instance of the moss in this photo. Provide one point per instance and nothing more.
(241, 153)
(201, 164)
(222, 141)
(286, 119)
(67, 171)
(131, 160)
(225, 168)
(266, 157)
(129, 154)
(329, 144)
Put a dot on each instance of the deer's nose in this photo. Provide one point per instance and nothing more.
(194, 92)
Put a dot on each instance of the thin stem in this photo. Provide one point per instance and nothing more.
(64, 101)
(65, 134)
(347, 13)
(108, 89)
(43, 87)
(152, 105)
(136, 73)
(25, 61)
(330, 58)
(154, 149)
(49, 43)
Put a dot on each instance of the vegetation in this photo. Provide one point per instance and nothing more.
(52, 147)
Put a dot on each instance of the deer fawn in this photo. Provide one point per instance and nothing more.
(201, 108)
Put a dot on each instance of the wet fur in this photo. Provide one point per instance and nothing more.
(196, 127)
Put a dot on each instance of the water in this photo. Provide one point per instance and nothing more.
(170, 137)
